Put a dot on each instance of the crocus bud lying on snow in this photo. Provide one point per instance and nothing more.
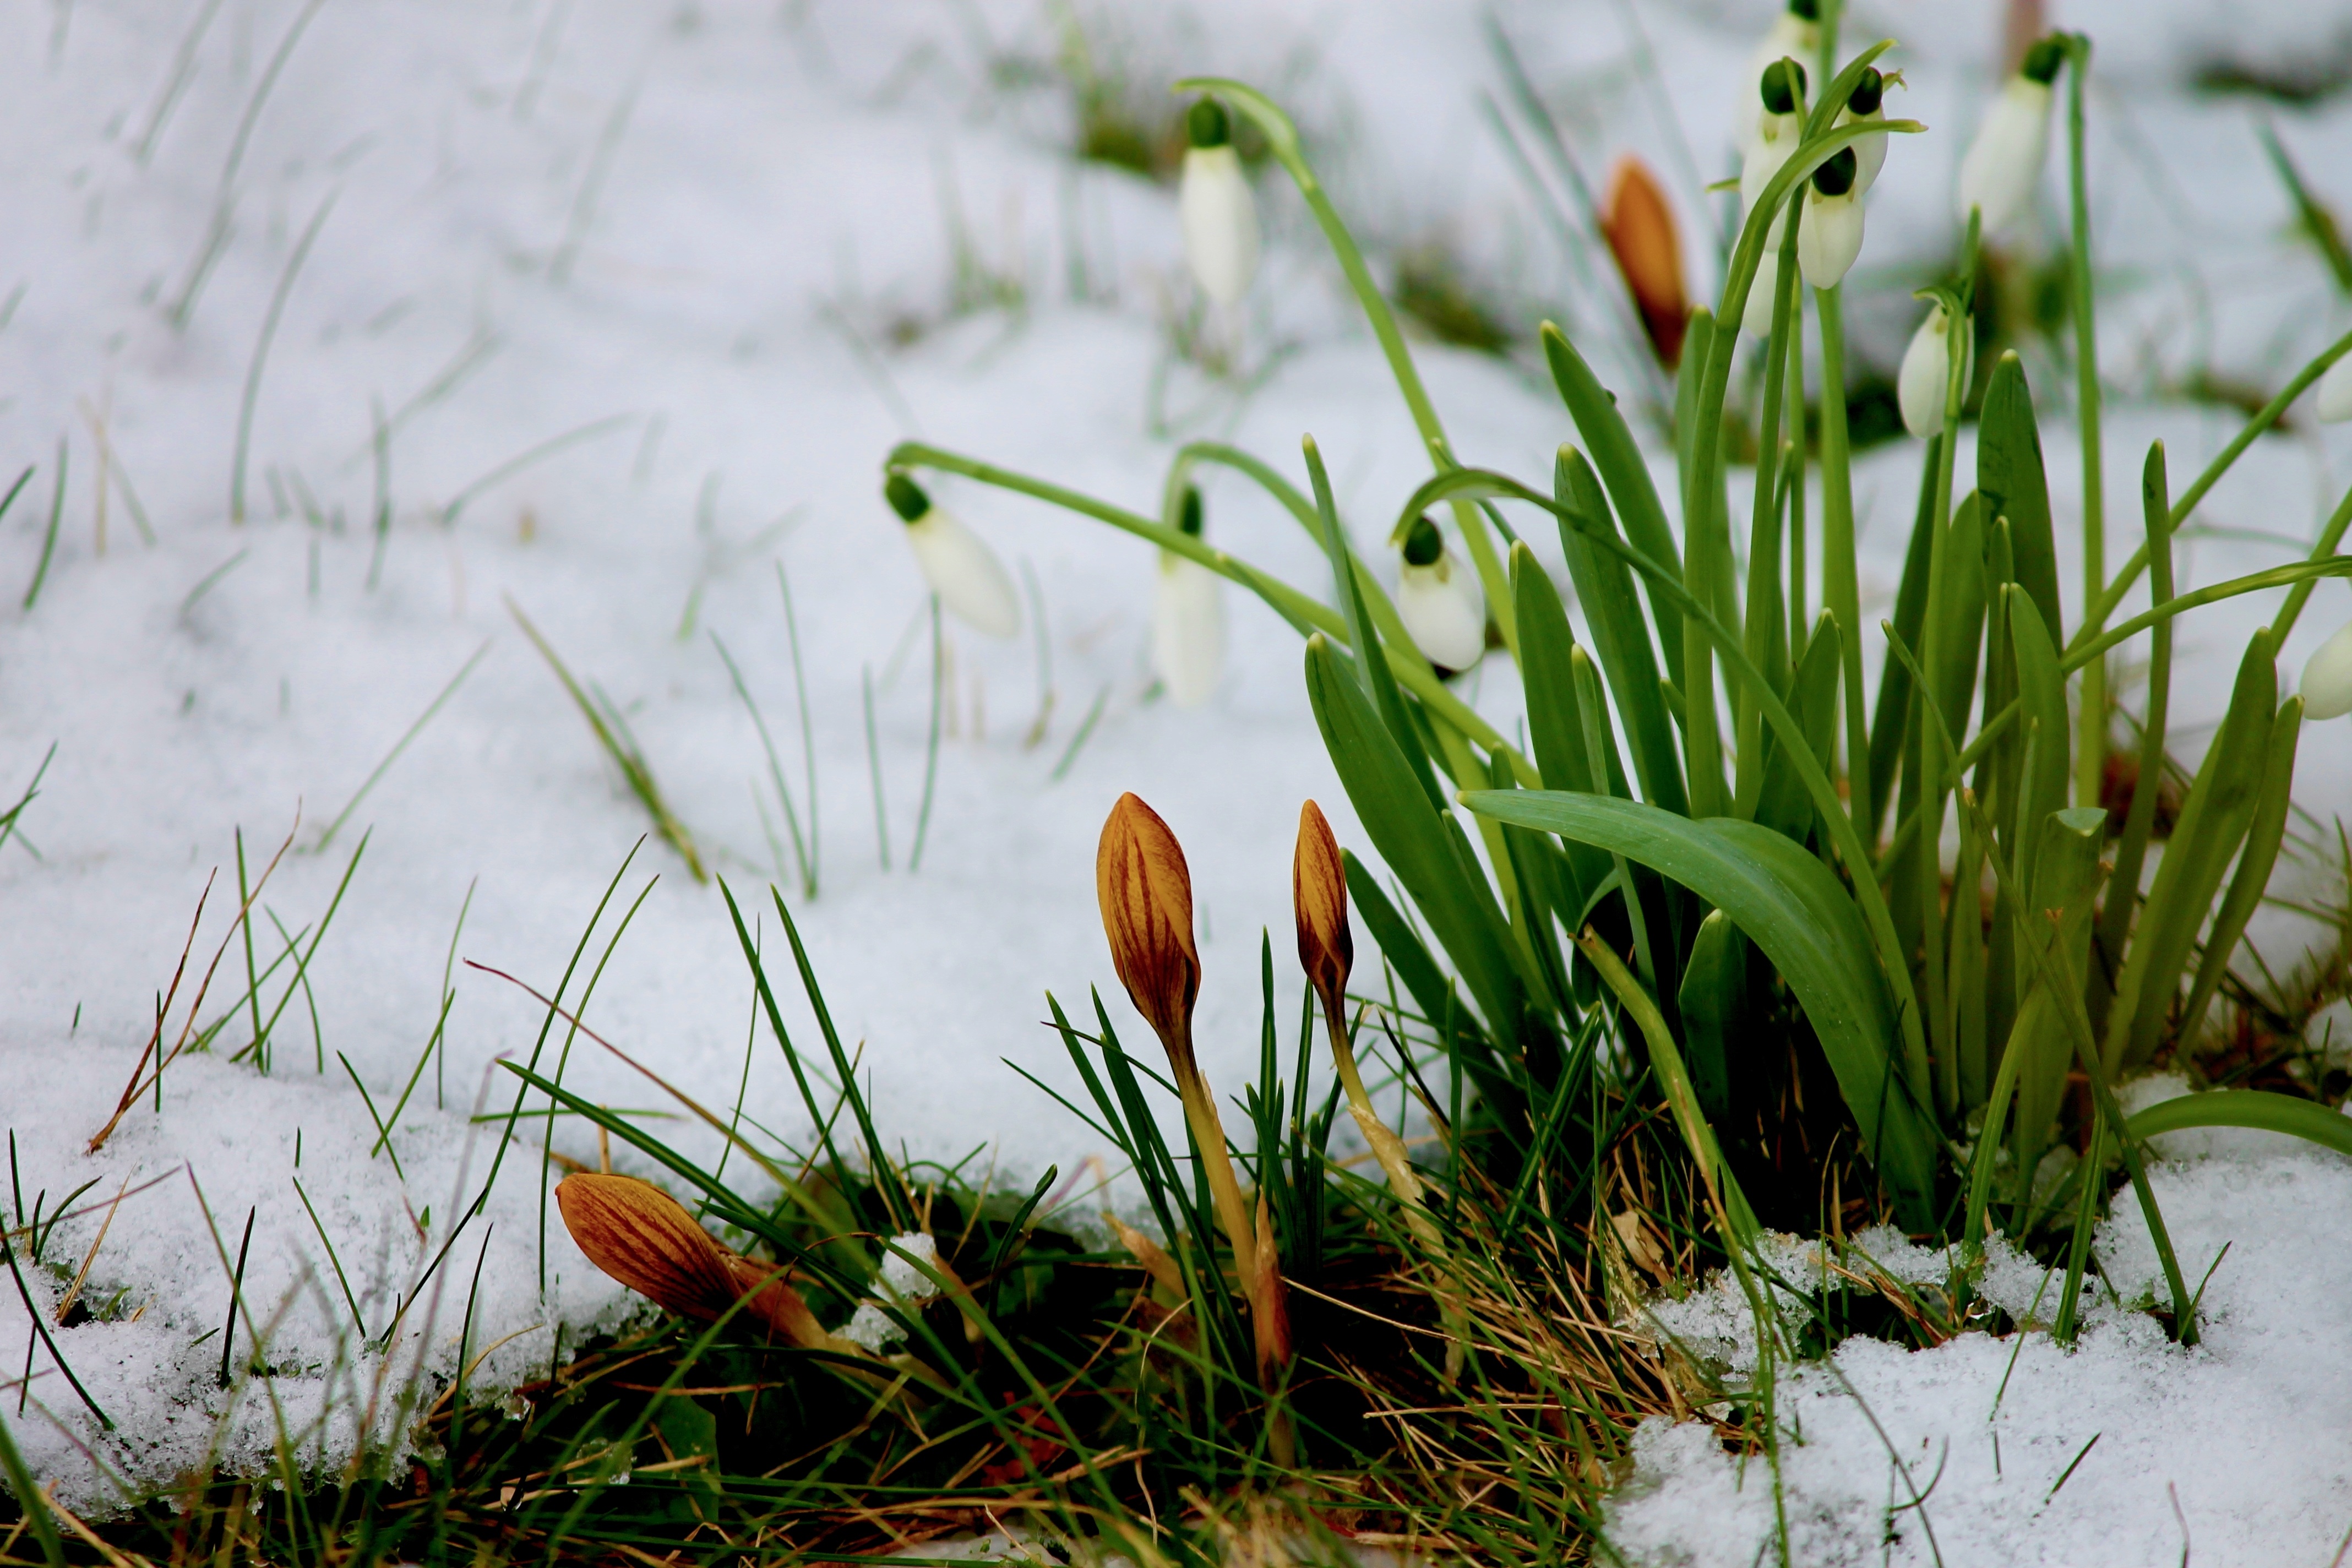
(1216, 208)
(2004, 164)
(644, 1238)
(1780, 92)
(1829, 238)
(1921, 385)
(1188, 619)
(2335, 399)
(1440, 601)
(1640, 228)
(2328, 678)
(963, 570)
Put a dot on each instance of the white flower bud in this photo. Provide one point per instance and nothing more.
(1829, 238)
(2003, 165)
(1921, 385)
(1865, 105)
(1188, 621)
(1793, 34)
(2328, 678)
(1440, 602)
(1218, 215)
(2335, 400)
(958, 566)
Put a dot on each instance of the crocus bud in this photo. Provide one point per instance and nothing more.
(1640, 228)
(1920, 385)
(2328, 678)
(1188, 619)
(1215, 207)
(2335, 399)
(960, 568)
(644, 1238)
(1866, 105)
(1829, 238)
(1795, 34)
(1440, 601)
(1318, 896)
(2003, 165)
(1146, 892)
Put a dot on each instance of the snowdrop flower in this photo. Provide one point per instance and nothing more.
(2004, 165)
(1215, 205)
(1921, 385)
(1780, 128)
(1795, 33)
(1865, 105)
(1439, 600)
(961, 569)
(2334, 398)
(1829, 238)
(2328, 679)
(1188, 619)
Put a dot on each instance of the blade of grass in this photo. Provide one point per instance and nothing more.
(931, 746)
(49, 534)
(277, 309)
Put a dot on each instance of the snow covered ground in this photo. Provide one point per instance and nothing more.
(638, 296)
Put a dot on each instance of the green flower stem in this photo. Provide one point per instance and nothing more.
(2262, 420)
(2091, 751)
(2325, 546)
(1840, 579)
(1282, 140)
(1305, 612)
(1765, 607)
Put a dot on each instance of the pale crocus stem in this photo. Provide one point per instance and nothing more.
(2326, 685)
(2003, 166)
(1831, 236)
(1216, 208)
(1920, 384)
(957, 564)
(1439, 600)
(1187, 620)
(2333, 400)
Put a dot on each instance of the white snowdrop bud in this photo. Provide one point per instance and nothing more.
(2003, 165)
(1920, 385)
(2328, 678)
(1187, 620)
(960, 568)
(1215, 205)
(1829, 238)
(1756, 316)
(1781, 129)
(2335, 400)
(1796, 32)
(1865, 105)
(1440, 602)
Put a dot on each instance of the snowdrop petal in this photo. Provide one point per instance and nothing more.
(2003, 166)
(2335, 400)
(1921, 385)
(1188, 630)
(1219, 217)
(1830, 239)
(1756, 317)
(1790, 35)
(965, 573)
(2328, 678)
(1444, 611)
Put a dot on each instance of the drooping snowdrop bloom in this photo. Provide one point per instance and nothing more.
(1779, 129)
(1829, 238)
(2328, 678)
(1796, 32)
(2335, 399)
(1188, 619)
(1215, 207)
(1866, 105)
(960, 568)
(1920, 385)
(2003, 166)
(1439, 600)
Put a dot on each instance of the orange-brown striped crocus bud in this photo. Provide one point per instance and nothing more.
(1146, 911)
(1640, 228)
(644, 1238)
(1318, 896)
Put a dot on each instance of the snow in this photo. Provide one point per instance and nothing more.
(702, 265)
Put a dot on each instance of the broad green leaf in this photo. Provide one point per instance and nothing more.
(1425, 981)
(1604, 588)
(2255, 1109)
(2041, 784)
(2253, 875)
(2214, 816)
(1555, 726)
(1796, 911)
(1891, 715)
(1963, 612)
(2064, 881)
(1783, 804)
(2010, 476)
(1714, 1000)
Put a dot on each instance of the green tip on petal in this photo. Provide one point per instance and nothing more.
(2043, 60)
(1805, 10)
(1836, 176)
(1779, 91)
(1188, 515)
(1423, 544)
(1869, 92)
(906, 498)
(1207, 124)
